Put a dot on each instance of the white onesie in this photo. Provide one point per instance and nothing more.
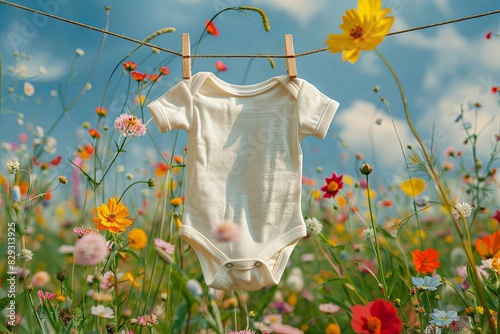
(243, 167)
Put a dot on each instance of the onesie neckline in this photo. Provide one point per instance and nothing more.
(249, 89)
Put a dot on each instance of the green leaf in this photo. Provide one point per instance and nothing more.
(391, 280)
(335, 279)
(4, 302)
(3, 329)
(264, 300)
(131, 252)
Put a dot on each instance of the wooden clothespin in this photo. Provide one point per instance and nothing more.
(291, 65)
(186, 56)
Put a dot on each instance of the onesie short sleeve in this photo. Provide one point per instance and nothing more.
(173, 109)
(315, 111)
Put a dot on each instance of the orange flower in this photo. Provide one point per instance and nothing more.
(212, 29)
(164, 70)
(153, 77)
(160, 169)
(129, 66)
(138, 76)
(85, 151)
(112, 217)
(488, 246)
(426, 261)
(101, 111)
(178, 159)
(94, 134)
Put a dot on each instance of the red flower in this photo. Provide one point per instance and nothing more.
(138, 76)
(379, 316)
(496, 216)
(220, 66)
(46, 165)
(94, 134)
(426, 261)
(101, 111)
(129, 66)
(212, 29)
(333, 185)
(164, 70)
(488, 35)
(495, 89)
(153, 77)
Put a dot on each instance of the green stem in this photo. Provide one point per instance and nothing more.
(381, 271)
(130, 186)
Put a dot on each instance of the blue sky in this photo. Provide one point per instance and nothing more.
(441, 68)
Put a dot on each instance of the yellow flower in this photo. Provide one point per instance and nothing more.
(176, 201)
(129, 277)
(413, 187)
(364, 28)
(112, 217)
(137, 238)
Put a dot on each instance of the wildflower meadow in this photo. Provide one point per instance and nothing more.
(90, 242)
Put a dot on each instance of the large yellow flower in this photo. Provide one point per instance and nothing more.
(364, 28)
(112, 217)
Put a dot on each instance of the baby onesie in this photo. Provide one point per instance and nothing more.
(242, 209)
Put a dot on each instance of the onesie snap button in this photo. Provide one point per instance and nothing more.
(258, 264)
(229, 265)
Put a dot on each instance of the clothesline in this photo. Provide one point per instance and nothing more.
(86, 26)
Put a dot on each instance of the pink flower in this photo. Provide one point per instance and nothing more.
(226, 231)
(45, 295)
(107, 280)
(40, 279)
(271, 318)
(329, 308)
(130, 126)
(90, 250)
(80, 231)
(449, 151)
(220, 66)
(496, 216)
(166, 246)
(279, 328)
(148, 320)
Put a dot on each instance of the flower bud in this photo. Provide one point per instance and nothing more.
(366, 169)
(151, 183)
(62, 179)
(61, 276)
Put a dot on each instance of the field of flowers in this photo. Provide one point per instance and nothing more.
(98, 250)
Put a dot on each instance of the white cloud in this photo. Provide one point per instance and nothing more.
(442, 116)
(40, 66)
(453, 55)
(379, 144)
(301, 10)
